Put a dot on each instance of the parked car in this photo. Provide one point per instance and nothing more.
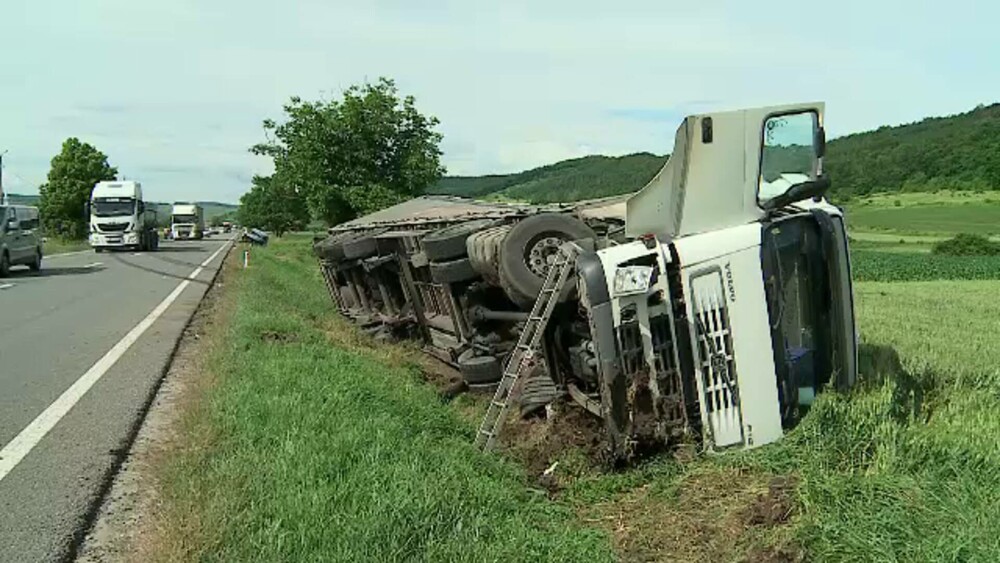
(20, 240)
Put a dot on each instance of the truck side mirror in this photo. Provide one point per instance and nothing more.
(820, 142)
(86, 209)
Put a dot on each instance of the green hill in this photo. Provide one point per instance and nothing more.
(211, 208)
(959, 152)
(568, 180)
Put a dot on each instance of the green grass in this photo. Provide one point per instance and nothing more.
(325, 448)
(906, 468)
(54, 245)
(980, 218)
(323, 452)
(896, 265)
(933, 215)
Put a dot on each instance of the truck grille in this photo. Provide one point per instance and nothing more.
(669, 406)
(715, 358)
(112, 227)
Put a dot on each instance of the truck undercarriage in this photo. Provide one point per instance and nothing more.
(714, 332)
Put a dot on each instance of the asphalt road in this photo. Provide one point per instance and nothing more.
(55, 326)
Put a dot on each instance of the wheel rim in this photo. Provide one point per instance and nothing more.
(542, 254)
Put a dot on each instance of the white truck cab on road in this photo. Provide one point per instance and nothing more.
(187, 221)
(120, 219)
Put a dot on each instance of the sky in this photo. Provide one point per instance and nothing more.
(174, 91)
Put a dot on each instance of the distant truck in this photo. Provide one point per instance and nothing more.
(187, 221)
(227, 226)
(120, 218)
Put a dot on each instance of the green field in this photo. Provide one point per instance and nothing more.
(941, 213)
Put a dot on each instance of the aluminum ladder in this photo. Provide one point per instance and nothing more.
(522, 357)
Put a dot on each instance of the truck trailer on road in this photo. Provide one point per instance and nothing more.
(709, 307)
(120, 218)
(187, 221)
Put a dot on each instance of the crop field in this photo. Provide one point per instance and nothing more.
(926, 213)
(898, 266)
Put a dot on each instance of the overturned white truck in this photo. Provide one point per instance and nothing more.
(711, 306)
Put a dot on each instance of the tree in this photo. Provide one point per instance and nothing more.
(72, 176)
(347, 157)
(273, 205)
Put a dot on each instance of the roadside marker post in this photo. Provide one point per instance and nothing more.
(246, 259)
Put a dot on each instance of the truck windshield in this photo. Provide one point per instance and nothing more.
(808, 289)
(113, 207)
(179, 219)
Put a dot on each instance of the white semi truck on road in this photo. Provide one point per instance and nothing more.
(120, 218)
(187, 221)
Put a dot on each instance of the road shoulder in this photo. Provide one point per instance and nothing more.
(119, 530)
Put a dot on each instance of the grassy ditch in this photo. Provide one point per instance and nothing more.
(315, 445)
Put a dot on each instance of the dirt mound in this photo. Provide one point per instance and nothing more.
(712, 514)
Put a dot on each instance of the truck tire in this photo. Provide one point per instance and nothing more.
(453, 271)
(527, 250)
(479, 370)
(449, 243)
(484, 252)
(539, 390)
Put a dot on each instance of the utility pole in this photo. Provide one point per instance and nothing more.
(3, 194)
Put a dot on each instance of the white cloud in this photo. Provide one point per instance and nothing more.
(174, 91)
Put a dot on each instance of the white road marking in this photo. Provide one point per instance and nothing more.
(94, 265)
(6, 286)
(27, 439)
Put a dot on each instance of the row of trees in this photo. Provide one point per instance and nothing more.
(337, 159)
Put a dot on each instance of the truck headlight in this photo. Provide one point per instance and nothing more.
(632, 279)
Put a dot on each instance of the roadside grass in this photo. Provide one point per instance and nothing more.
(56, 245)
(317, 444)
(308, 451)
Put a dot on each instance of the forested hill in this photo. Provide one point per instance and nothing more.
(955, 152)
(568, 180)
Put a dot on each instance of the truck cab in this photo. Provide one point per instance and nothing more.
(120, 219)
(187, 222)
(734, 306)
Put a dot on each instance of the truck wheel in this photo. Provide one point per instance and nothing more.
(4, 264)
(449, 243)
(477, 370)
(362, 246)
(453, 271)
(529, 249)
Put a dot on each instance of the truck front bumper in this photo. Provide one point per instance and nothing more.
(114, 240)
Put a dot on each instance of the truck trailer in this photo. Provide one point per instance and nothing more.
(711, 306)
(120, 218)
